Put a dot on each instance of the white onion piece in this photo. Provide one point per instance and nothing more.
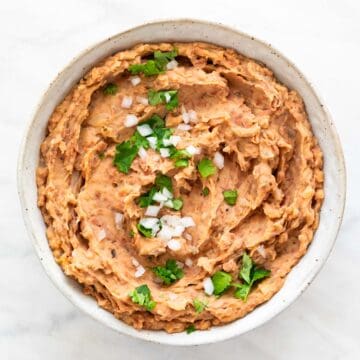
(126, 102)
(171, 65)
(142, 152)
(140, 271)
(261, 250)
(167, 97)
(152, 142)
(152, 210)
(192, 115)
(101, 234)
(159, 197)
(167, 193)
(173, 140)
(149, 222)
(165, 233)
(192, 150)
(131, 120)
(187, 221)
(178, 230)
(135, 80)
(174, 245)
(208, 286)
(184, 127)
(188, 262)
(219, 160)
(135, 262)
(164, 152)
(144, 130)
(119, 218)
(169, 204)
(142, 100)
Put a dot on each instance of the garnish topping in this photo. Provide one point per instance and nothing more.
(167, 97)
(230, 197)
(142, 296)
(110, 89)
(206, 167)
(169, 273)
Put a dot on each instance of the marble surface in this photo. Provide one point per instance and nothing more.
(39, 38)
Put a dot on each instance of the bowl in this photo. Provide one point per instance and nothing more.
(184, 30)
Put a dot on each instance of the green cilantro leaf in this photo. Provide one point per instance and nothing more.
(230, 197)
(110, 89)
(163, 181)
(199, 305)
(250, 274)
(167, 97)
(145, 231)
(181, 163)
(155, 122)
(221, 281)
(142, 296)
(139, 140)
(177, 204)
(168, 273)
(164, 57)
(161, 134)
(205, 191)
(147, 199)
(247, 265)
(206, 167)
(125, 154)
(190, 329)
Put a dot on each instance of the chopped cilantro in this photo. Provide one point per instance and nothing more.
(147, 199)
(249, 273)
(206, 167)
(142, 296)
(155, 122)
(221, 281)
(199, 305)
(161, 134)
(205, 191)
(139, 140)
(177, 204)
(190, 329)
(230, 196)
(145, 231)
(154, 66)
(125, 154)
(181, 163)
(110, 89)
(168, 273)
(163, 181)
(167, 97)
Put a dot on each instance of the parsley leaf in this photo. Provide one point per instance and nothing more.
(206, 167)
(168, 273)
(230, 197)
(125, 154)
(110, 89)
(199, 305)
(167, 97)
(142, 296)
(205, 191)
(250, 274)
(221, 281)
(190, 329)
(145, 231)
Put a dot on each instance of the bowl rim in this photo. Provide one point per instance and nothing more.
(314, 92)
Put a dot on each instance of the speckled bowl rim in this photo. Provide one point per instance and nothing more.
(73, 292)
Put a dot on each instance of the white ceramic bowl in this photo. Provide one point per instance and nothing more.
(190, 30)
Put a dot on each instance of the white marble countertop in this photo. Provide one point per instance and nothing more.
(39, 38)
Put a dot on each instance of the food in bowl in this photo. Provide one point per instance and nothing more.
(180, 183)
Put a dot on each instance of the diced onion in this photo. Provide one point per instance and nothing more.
(142, 100)
(184, 127)
(187, 221)
(165, 233)
(169, 204)
(149, 222)
(135, 80)
(142, 152)
(219, 160)
(131, 120)
(167, 193)
(186, 117)
(192, 150)
(135, 262)
(152, 142)
(171, 65)
(144, 130)
(192, 115)
(208, 286)
(167, 97)
(178, 230)
(188, 262)
(119, 218)
(261, 250)
(126, 102)
(159, 197)
(164, 152)
(174, 245)
(152, 210)
(140, 271)
(101, 234)
(173, 140)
